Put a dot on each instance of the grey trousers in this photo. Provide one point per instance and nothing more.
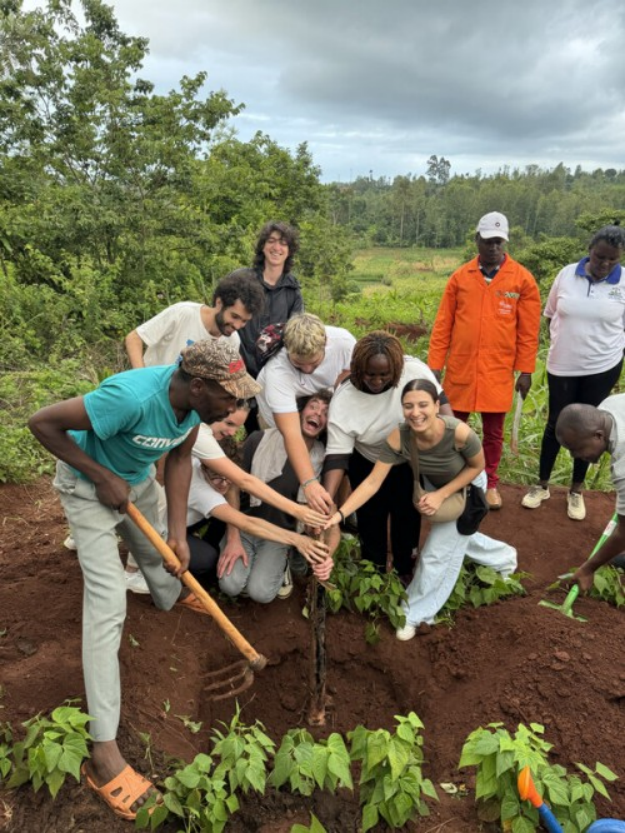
(94, 528)
(263, 576)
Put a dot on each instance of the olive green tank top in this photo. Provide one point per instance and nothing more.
(442, 462)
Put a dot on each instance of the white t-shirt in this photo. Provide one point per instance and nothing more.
(206, 446)
(173, 329)
(203, 499)
(283, 384)
(587, 321)
(362, 421)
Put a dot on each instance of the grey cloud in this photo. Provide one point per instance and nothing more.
(385, 83)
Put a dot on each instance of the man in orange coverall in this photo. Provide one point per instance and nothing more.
(486, 328)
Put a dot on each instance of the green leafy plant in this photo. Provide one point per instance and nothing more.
(6, 750)
(306, 764)
(192, 794)
(243, 754)
(362, 587)
(193, 726)
(479, 585)
(608, 585)
(53, 748)
(392, 785)
(315, 826)
(499, 757)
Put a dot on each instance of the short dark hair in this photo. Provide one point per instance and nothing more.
(290, 234)
(612, 235)
(241, 285)
(421, 384)
(376, 343)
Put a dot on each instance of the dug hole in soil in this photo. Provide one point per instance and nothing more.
(513, 662)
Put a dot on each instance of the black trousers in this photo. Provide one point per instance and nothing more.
(205, 550)
(569, 390)
(394, 501)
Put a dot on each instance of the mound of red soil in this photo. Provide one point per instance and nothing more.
(513, 662)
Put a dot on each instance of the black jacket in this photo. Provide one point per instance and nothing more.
(281, 302)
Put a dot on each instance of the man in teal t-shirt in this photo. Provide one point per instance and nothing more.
(106, 443)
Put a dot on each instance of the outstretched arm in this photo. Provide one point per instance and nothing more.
(254, 486)
(290, 428)
(611, 548)
(177, 480)
(369, 487)
(313, 551)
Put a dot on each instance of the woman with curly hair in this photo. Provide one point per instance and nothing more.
(276, 248)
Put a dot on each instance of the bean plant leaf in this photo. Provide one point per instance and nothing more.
(605, 772)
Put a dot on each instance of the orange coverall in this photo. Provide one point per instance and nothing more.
(483, 332)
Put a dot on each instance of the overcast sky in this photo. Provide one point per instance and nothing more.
(380, 85)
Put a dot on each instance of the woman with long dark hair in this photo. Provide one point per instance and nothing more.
(450, 458)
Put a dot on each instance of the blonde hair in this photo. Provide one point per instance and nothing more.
(304, 335)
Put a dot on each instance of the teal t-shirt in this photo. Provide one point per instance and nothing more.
(133, 423)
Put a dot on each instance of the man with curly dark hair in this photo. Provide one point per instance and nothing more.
(236, 300)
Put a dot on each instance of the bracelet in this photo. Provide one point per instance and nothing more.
(342, 516)
(308, 482)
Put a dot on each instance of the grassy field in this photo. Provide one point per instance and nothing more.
(404, 286)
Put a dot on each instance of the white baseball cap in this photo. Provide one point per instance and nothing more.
(493, 224)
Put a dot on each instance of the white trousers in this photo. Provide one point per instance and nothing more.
(440, 561)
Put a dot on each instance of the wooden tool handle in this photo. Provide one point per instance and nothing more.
(257, 661)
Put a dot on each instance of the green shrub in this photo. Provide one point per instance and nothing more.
(360, 586)
(53, 748)
(392, 785)
(478, 585)
(307, 764)
(500, 756)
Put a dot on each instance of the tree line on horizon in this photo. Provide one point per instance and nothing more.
(437, 210)
(117, 201)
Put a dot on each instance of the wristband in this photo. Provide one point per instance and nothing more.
(342, 516)
(308, 482)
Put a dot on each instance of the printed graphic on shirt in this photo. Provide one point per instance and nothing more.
(159, 442)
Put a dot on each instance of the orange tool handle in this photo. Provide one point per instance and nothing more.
(257, 661)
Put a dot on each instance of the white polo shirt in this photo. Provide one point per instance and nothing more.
(283, 384)
(587, 322)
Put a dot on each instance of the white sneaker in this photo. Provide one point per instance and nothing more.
(135, 582)
(70, 544)
(575, 507)
(405, 633)
(535, 497)
(287, 585)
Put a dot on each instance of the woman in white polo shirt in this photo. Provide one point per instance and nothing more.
(586, 312)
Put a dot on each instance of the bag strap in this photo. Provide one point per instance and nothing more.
(414, 456)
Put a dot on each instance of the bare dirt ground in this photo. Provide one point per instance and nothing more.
(513, 662)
